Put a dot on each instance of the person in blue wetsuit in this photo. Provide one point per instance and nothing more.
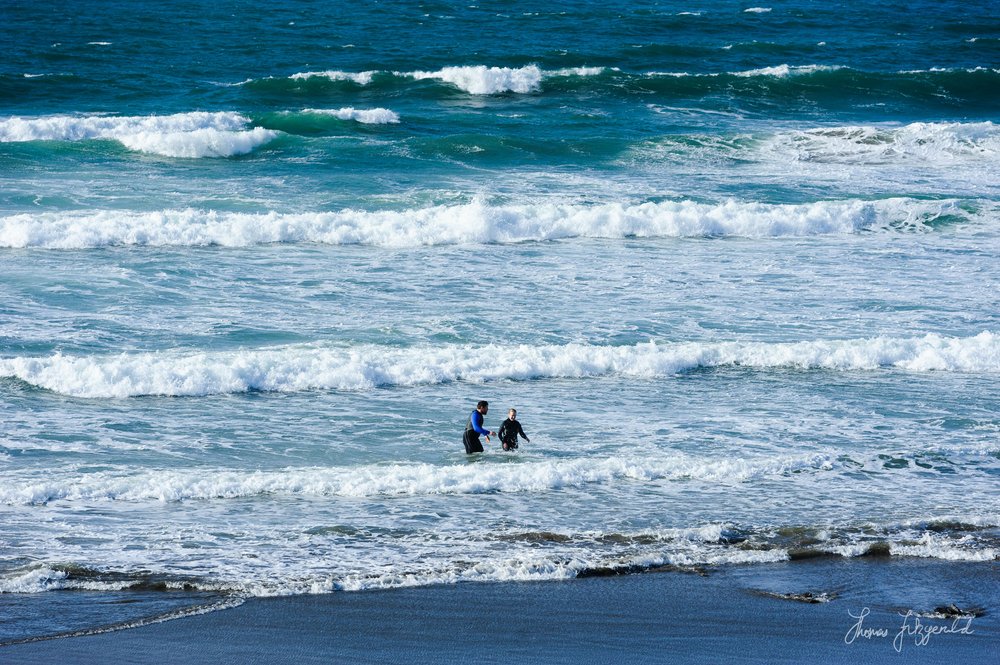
(474, 428)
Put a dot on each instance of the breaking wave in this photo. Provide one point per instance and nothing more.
(482, 80)
(319, 367)
(475, 222)
(377, 116)
(361, 78)
(401, 560)
(394, 480)
(474, 79)
(922, 142)
(195, 134)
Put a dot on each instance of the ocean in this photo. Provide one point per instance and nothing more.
(737, 267)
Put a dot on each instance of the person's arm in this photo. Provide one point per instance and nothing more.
(521, 432)
(477, 424)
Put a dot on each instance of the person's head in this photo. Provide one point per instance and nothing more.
(482, 406)
(512, 414)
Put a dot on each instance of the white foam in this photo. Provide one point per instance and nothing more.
(473, 79)
(267, 561)
(361, 78)
(978, 521)
(757, 10)
(37, 579)
(79, 128)
(475, 222)
(364, 367)
(523, 567)
(578, 71)
(482, 80)
(923, 143)
(32, 580)
(783, 71)
(196, 134)
(376, 116)
(950, 70)
(205, 142)
(399, 480)
(777, 71)
(934, 546)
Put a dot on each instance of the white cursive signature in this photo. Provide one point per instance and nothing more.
(858, 629)
(912, 627)
(921, 633)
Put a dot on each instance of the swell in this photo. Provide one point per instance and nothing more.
(188, 135)
(365, 367)
(470, 79)
(831, 85)
(197, 134)
(787, 89)
(935, 145)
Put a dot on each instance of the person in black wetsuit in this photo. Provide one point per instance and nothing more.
(475, 427)
(509, 431)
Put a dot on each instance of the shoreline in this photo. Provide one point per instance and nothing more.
(763, 613)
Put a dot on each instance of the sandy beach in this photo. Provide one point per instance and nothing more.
(870, 611)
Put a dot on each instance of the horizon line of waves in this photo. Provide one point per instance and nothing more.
(829, 85)
(366, 367)
(945, 87)
(821, 80)
(792, 71)
(472, 79)
(480, 223)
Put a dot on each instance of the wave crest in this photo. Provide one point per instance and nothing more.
(196, 134)
(376, 116)
(361, 78)
(312, 367)
(926, 143)
(473, 79)
(482, 80)
(396, 480)
(475, 222)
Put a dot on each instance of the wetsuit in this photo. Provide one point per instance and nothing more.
(472, 431)
(508, 434)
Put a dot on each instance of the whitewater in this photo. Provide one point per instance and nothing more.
(367, 367)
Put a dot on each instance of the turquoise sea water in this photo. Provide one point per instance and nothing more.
(736, 267)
